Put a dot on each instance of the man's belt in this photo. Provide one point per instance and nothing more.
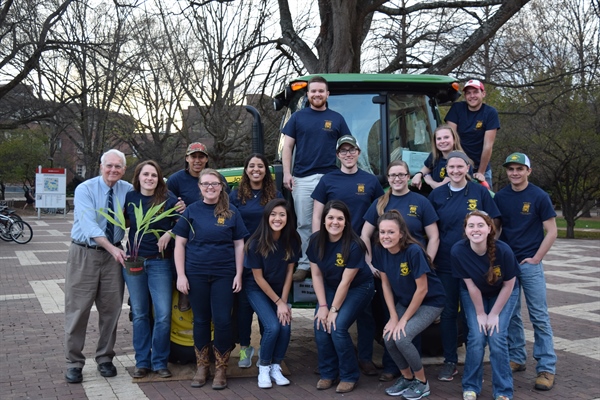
(87, 246)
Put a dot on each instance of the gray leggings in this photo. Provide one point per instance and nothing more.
(402, 351)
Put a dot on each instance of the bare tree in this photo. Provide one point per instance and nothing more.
(405, 31)
(155, 99)
(217, 53)
(547, 67)
(26, 32)
(88, 77)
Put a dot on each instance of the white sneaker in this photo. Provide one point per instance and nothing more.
(277, 376)
(264, 380)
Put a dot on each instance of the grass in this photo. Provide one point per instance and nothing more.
(595, 235)
(581, 223)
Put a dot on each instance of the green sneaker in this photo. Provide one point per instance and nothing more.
(246, 357)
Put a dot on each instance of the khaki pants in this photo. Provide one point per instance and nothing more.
(92, 276)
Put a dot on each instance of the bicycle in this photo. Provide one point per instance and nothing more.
(9, 212)
(18, 231)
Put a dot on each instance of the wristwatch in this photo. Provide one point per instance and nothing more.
(333, 309)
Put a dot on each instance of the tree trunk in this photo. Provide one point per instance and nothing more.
(570, 229)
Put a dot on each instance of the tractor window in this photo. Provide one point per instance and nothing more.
(410, 129)
(361, 115)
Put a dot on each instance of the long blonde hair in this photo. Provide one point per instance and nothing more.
(222, 208)
(434, 150)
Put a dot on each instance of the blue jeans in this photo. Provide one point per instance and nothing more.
(244, 314)
(275, 336)
(502, 380)
(151, 344)
(449, 316)
(365, 327)
(534, 286)
(211, 298)
(335, 350)
(488, 176)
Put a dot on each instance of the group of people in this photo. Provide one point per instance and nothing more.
(421, 256)
(430, 256)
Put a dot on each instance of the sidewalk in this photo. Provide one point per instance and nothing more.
(31, 326)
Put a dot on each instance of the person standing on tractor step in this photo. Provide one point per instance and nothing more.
(526, 212)
(476, 124)
(94, 267)
(313, 132)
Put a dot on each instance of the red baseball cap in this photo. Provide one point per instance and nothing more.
(474, 83)
(195, 148)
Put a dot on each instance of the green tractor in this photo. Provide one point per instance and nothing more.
(393, 117)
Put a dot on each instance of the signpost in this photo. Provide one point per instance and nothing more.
(50, 189)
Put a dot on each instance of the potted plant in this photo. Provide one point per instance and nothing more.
(135, 263)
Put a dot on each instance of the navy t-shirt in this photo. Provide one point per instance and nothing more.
(414, 208)
(149, 242)
(184, 185)
(452, 208)
(472, 126)
(274, 266)
(523, 214)
(402, 270)
(316, 134)
(209, 249)
(333, 264)
(357, 190)
(251, 211)
(467, 264)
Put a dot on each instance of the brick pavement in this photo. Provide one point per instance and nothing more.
(31, 326)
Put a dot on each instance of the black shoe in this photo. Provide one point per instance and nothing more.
(74, 375)
(367, 367)
(140, 372)
(107, 369)
(164, 373)
(388, 376)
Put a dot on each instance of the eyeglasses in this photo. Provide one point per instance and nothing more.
(210, 184)
(352, 151)
(393, 177)
(118, 167)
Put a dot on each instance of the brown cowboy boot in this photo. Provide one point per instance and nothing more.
(203, 364)
(221, 363)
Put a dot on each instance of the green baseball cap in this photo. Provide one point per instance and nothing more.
(517, 158)
(351, 140)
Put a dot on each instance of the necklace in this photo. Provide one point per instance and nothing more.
(255, 193)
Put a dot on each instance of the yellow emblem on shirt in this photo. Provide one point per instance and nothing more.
(497, 271)
(328, 125)
(404, 271)
(472, 204)
(221, 221)
(525, 209)
(361, 188)
(339, 260)
(412, 210)
(479, 125)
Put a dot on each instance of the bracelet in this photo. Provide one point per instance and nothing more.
(279, 298)
(323, 305)
(417, 173)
